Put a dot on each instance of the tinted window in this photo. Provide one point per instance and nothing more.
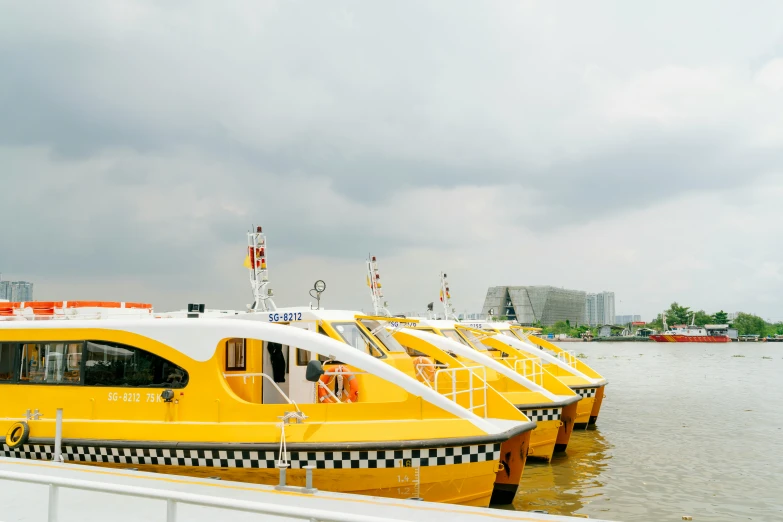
(517, 334)
(353, 336)
(51, 363)
(7, 361)
(235, 354)
(302, 357)
(114, 364)
(454, 336)
(383, 335)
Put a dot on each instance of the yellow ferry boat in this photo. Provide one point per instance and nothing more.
(533, 390)
(237, 400)
(465, 386)
(529, 334)
(511, 343)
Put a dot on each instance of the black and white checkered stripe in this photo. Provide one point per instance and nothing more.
(545, 414)
(585, 392)
(262, 459)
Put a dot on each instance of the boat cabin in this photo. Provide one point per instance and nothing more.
(717, 330)
(645, 332)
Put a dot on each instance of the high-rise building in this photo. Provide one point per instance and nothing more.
(16, 290)
(535, 304)
(599, 308)
(625, 319)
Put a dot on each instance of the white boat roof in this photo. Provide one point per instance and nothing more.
(514, 342)
(545, 355)
(307, 314)
(199, 338)
(449, 345)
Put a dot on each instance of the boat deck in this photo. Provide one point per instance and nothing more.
(131, 499)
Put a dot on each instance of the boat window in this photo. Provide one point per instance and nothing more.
(51, 363)
(302, 357)
(518, 334)
(355, 337)
(414, 353)
(235, 355)
(114, 364)
(383, 335)
(508, 333)
(7, 352)
(454, 336)
(425, 329)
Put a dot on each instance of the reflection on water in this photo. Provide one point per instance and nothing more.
(565, 485)
(684, 430)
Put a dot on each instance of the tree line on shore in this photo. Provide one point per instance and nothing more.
(746, 324)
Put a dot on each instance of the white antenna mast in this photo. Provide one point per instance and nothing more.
(374, 283)
(445, 297)
(665, 326)
(259, 276)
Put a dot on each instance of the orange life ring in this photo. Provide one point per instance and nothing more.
(323, 393)
(348, 393)
(424, 368)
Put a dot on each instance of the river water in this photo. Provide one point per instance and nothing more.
(685, 429)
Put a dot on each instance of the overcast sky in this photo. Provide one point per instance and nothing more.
(624, 146)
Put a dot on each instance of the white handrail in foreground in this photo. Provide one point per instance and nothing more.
(568, 357)
(173, 498)
(263, 376)
(471, 371)
(536, 373)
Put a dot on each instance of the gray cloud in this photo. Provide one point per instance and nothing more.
(142, 139)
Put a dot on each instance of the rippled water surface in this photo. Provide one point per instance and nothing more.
(685, 429)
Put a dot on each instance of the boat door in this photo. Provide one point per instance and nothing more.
(300, 389)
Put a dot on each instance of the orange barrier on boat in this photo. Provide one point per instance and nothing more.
(43, 307)
(49, 307)
(106, 304)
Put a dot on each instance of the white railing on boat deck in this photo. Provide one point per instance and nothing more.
(421, 372)
(471, 371)
(263, 376)
(530, 369)
(175, 498)
(568, 357)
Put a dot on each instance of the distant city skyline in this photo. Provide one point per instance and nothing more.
(16, 291)
(599, 308)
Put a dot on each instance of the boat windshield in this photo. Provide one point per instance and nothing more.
(355, 337)
(518, 334)
(454, 336)
(509, 333)
(383, 335)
